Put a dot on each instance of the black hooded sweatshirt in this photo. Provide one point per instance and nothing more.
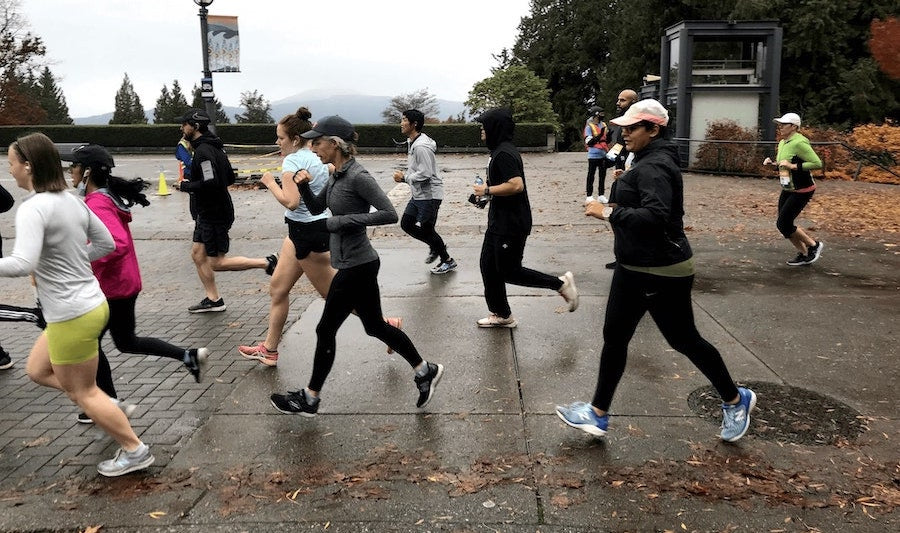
(647, 220)
(211, 173)
(508, 215)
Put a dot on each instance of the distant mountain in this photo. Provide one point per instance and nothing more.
(357, 108)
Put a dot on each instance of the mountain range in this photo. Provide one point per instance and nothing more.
(357, 108)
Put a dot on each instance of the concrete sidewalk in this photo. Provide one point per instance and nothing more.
(488, 454)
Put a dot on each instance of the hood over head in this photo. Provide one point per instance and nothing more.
(498, 126)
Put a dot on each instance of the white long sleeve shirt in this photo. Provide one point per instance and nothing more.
(57, 237)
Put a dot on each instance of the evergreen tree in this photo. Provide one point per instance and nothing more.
(257, 109)
(170, 107)
(162, 113)
(198, 103)
(51, 99)
(128, 105)
(421, 100)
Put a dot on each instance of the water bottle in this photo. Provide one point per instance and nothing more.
(479, 201)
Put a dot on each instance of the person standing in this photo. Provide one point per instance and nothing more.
(351, 194)
(595, 137)
(57, 237)
(111, 198)
(655, 274)
(619, 153)
(210, 176)
(184, 153)
(420, 216)
(509, 224)
(795, 158)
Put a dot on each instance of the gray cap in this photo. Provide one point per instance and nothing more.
(331, 126)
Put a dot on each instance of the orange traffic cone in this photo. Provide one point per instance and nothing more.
(163, 189)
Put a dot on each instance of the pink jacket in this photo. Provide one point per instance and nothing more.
(118, 272)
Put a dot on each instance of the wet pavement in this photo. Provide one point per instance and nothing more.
(488, 453)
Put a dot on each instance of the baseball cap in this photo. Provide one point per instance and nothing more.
(197, 116)
(789, 118)
(649, 110)
(331, 126)
(595, 110)
(89, 155)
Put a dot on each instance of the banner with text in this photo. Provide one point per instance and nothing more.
(224, 44)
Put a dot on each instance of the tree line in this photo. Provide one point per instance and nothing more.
(568, 55)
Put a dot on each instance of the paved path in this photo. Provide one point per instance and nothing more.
(488, 454)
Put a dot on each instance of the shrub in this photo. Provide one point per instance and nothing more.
(731, 158)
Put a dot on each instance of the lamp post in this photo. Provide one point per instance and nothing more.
(206, 89)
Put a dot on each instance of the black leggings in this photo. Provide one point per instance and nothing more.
(121, 328)
(593, 166)
(790, 204)
(419, 220)
(501, 263)
(355, 288)
(669, 302)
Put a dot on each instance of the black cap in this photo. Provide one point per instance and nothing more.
(90, 155)
(195, 116)
(331, 126)
(595, 111)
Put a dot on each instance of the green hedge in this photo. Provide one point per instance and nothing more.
(377, 137)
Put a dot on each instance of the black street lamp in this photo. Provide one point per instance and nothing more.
(206, 88)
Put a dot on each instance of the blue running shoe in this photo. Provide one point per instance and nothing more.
(582, 416)
(736, 418)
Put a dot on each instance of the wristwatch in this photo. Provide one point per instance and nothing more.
(487, 191)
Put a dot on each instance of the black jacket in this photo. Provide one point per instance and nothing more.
(211, 174)
(647, 221)
(507, 215)
(6, 203)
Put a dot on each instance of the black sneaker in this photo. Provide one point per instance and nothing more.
(208, 306)
(813, 252)
(272, 261)
(196, 358)
(5, 361)
(83, 418)
(800, 260)
(432, 257)
(294, 403)
(427, 383)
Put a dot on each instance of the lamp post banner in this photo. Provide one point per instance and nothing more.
(224, 44)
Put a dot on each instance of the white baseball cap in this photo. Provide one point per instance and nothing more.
(789, 118)
(649, 110)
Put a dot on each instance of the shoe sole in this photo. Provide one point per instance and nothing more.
(301, 413)
(140, 466)
(258, 356)
(442, 272)
(587, 428)
(747, 427)
(508, 326)
(208, 310)
(7, 365)
(573, 305)
(434, 383)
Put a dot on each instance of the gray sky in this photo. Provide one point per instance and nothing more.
(375, 47)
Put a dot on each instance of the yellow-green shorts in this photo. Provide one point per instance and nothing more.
(76, 341)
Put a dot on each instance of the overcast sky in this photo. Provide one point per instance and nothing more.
(375, 47)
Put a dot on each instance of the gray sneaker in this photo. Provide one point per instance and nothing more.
(125, 462)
